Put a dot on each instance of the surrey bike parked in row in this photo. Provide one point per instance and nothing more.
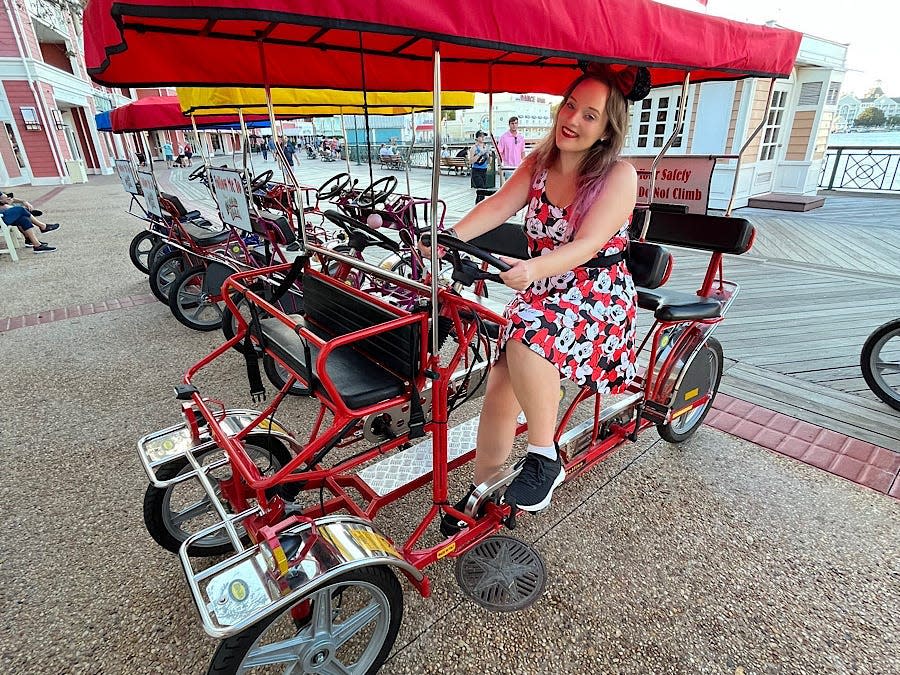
(311, 584)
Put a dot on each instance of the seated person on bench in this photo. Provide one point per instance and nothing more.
(16, 212)
(573, 314)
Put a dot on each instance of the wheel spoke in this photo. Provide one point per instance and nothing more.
(197, 508)
(887, 367)
(347, 629)
(288, 651)
(322, 613)
(335, 667)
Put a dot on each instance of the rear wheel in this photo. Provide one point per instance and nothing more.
(140, 248)
(880, 363)
(191, 304)
(164, 272)
(702, 377)
(350, 626)
(160, 248)
(173, 513)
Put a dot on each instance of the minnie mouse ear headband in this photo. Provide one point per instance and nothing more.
(632, 81)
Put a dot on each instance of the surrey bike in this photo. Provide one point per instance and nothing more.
(311, 584)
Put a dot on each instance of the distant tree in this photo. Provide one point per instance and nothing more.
(870, 117)
(893, 120)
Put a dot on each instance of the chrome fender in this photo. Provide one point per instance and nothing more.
(273, 575)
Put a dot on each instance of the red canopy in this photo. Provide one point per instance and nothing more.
(164, 112)
(530, 45)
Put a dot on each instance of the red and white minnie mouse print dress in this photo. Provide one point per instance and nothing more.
(582, 321)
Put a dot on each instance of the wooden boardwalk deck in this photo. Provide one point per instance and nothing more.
(813, 288)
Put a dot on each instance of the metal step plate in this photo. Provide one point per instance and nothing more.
(404, 467)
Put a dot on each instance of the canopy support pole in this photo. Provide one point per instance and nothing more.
(737, 166)
(245, 142)
(279, 154)
(362, 68)
(491, 125)
(346, 147)
(679, 124)
(435, 185)
(412, 144)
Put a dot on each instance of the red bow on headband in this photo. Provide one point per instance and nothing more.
(632, 81)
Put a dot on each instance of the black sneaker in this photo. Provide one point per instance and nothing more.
(28, 244)
(450, 525)
(534, 486)
(43, 248)
(37, 213)
(51, 227)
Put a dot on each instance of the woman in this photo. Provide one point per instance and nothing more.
(573, 315)
(478, 160)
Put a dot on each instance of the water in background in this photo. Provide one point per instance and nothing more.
(865, 139)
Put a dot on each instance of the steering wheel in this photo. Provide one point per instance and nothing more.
(465, 271)
(334, 186)
(197, 173)
(260, 181)
(351, 225)
(369, 197)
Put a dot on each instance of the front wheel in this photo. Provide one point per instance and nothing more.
(702, 377)
(164, 272)
(347, 626)
(880, 363)
(192, 305)
(140, 248)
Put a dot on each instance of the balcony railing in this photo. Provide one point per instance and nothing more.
(48, 14)
(861, 169)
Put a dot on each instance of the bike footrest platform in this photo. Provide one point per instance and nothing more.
(655, 412)
(404, 467)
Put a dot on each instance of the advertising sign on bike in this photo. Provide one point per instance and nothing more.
(231, 197)
(151, 193)
(125, 171)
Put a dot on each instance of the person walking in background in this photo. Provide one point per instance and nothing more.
(289, 150)
(478, 160)
(189, 153)
(270, 146)
(168, 153)
(264, 149)
(511, 147)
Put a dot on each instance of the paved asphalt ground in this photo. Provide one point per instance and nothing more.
(712, 557)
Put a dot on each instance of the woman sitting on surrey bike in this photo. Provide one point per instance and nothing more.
(574, 311)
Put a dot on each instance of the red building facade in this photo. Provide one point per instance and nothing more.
(48, 134)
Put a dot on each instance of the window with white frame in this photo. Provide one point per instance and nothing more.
(656, 120)
(772, 129)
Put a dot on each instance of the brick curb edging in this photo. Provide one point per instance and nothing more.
(51, 315)
(863, 463)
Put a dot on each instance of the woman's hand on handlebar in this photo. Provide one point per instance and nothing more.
(520, 276)
(425, 251)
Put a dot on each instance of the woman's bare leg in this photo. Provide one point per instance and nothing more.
(535, 383)
(497, 426)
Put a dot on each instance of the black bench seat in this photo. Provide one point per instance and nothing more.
(359, 380)
(199, 231)
(677, 306)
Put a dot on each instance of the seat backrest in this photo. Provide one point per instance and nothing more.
(648, 264)
(180, 211)
(507, 239)
(274, 225)
(338, 311)
(718, 234)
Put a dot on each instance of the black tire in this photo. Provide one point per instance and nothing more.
(140, 248)
(157, 501)
(188, 304)
(378, 579)
(711, 359)
(278, 377)
(164, 272)
(873, 352)
(160, 248)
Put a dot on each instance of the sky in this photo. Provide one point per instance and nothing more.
(870, 28)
